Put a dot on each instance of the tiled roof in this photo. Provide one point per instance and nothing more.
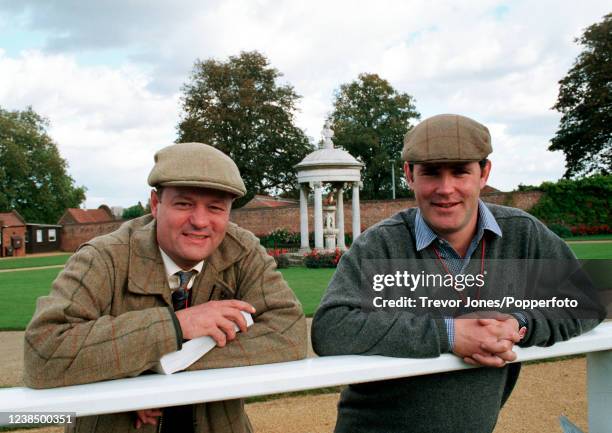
(11, 218)
(489, 190)
(269, 201)
(81, 216)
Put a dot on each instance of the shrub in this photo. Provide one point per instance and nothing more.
(560, 230)
(280, 257)
(324, 259)
(584, 204)
(280, 238)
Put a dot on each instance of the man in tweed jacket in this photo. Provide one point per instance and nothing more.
(110, 313)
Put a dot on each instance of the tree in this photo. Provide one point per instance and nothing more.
(585, 100)
(132, 212)
(33, 177)
(238, 107)
(370, 120)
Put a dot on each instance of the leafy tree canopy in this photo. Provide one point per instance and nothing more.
(585, 100)
(239, 107)
(370, 120)
(132, 212)
(33, 176)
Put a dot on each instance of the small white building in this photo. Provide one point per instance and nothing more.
(338, 168)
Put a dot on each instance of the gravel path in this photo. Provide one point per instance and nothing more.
(544, 391)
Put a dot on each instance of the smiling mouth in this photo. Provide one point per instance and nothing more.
(196, 236)
(445, 205)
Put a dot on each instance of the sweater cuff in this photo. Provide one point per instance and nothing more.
(450, 331)
(440, 323)
(177, 329)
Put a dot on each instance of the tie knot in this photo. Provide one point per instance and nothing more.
(184, 277)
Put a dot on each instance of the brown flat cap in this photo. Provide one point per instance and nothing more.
(447, 138)
(196, 164)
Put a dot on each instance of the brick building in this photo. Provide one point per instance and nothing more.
(82, 225)
(84, 216)
(12, 234)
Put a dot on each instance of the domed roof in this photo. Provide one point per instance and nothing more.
(329, 164)
(329, 156)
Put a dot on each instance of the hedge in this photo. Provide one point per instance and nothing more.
(577, 207)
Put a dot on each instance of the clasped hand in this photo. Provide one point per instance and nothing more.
(487, 338)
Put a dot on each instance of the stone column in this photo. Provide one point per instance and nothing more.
(340, 216)
(356, 216)
(304, 244)
(318, 215)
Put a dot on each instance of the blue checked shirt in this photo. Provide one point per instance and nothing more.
(456, 264)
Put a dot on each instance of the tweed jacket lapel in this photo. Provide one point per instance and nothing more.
(204, 285)
(147, 274)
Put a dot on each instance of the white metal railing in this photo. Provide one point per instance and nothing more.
(152, 391)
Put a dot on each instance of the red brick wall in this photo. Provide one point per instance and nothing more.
(74, 235)
(526, 200)
(6, 240)
(262, 221)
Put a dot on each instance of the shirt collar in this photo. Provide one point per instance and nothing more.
(172, 268)
(425, 235)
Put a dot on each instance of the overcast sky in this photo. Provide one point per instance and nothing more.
(108, 74)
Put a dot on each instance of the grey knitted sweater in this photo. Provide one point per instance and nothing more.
(466, 401)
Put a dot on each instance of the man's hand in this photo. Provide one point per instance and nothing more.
(486, 341)
(215, 319)
(147, 416)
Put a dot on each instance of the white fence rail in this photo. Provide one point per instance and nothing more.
(152, 391)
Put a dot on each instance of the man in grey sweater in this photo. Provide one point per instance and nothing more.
(453, 230)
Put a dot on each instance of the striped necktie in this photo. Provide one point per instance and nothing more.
(180, 297)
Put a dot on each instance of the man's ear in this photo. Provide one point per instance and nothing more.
(154, 203)
(484, 174)
(409, 175)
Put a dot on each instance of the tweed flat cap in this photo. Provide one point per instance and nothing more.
(447, 138)
(196, 164)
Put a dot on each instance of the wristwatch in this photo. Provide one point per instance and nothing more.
(522, 320)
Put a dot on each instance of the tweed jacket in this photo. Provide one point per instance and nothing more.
(109, 316)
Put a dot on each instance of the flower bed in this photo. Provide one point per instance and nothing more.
(322, 259)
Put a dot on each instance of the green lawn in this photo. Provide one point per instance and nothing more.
(20, 289)
(309, 285)
(33, 262)
(592, 250)
(18, 293)
(606, 237)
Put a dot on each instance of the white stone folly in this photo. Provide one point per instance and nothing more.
(338, 168)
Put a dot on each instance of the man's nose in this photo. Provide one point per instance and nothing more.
(200, 217)
(445, 184)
